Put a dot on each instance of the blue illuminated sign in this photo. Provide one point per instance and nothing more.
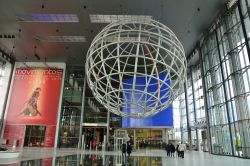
(162, 119)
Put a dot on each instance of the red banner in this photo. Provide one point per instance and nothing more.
(35, 96)
(14, 132)
(34, 100)
(50, 136)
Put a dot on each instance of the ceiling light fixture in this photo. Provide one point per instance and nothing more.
(38, 57)
(98, 18)
(8, 35)
(35, 54)
(37, 17)
(61, 38)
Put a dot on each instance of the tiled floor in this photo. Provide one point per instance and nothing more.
(47, 157)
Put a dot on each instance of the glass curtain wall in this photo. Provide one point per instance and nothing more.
(70, 121)
(82, 117)
(1, 97)
(183, 118)
(95, 122)
(217, 108)
(5, 76)
(225, 54)
(175, 133)
(200, 124)
(193, 120)
(191, 109)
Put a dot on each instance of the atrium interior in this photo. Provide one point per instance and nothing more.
(80, 79)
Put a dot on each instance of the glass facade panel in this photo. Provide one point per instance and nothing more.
(5, 75)
(192, 111)
(225, 61)
(69, 133)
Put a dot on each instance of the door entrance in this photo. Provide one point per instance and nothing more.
(94, 137)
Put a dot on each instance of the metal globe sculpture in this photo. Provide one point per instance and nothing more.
(136, 67)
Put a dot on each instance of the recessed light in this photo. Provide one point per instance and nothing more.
(36, 55)
(8, 35)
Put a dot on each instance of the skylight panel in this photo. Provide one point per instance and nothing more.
(35, 17)
(61, 38)
(97, 18)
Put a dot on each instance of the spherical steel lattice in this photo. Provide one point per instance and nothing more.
(136, 67)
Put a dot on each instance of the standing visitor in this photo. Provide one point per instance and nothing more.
(182, 148)
(94, 144)
(172, 150)
(177, 150)
(124, 149)
(129, 149)
(168, 149)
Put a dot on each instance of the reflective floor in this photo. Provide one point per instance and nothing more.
(71, 157)
(95, 160)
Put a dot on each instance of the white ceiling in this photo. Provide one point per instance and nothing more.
(187, 18)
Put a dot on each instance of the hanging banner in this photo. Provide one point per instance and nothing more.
(34, 100)
(35, 96)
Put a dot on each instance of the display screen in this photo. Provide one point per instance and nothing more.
(164, 119)
(136, 94)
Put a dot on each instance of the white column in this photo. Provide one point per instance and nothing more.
(108, 120)
(82, 114)
(59, 107)
(135, 139)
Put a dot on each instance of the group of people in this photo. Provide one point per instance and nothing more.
(126, 148)
(171, 149)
